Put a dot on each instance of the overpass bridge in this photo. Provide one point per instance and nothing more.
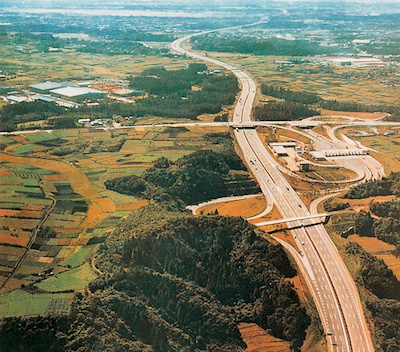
(324, 218)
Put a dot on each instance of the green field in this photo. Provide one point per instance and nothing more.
(23, 304)
(6, 140)
(75, 279)
(77, 256)
(25, 149)
(41, 137)
(66, 133)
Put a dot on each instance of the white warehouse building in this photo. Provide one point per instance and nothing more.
(78, 93)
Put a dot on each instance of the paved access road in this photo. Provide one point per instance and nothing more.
(333, 288)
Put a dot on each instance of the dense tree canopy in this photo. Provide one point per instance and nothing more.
(12, 114)
(370, 188)
(286, 111)
(171, 94)
(214, 263)
(374, 274)
(249, 45)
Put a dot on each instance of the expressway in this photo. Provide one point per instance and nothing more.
(333, 288)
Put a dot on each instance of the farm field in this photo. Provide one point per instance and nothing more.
(55, 209)
(331, 83)
(38, 67)
(23, 304)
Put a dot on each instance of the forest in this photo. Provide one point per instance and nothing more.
(307, 98)
(372, 188)
(385, 225)
(385, 228)
(12, 114)
(251, 45)
(171, 95)
(213, 257)
(284, 111)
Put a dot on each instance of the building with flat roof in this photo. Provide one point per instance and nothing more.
(280, 151)
(78, 93)
(283, 144)
(16, 99)
(43, 98)
(44, 87)
(352, 61)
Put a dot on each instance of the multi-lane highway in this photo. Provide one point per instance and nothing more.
(333, 289)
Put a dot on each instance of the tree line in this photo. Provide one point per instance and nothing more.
(269, 46)
(283, 111)
(372, 188)
(357, 107)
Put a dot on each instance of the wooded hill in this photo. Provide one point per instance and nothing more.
(204, 274)
(384, 304)
(195, 178)
(384, 187)
(173, 282)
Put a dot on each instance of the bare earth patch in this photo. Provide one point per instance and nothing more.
(371, 244)
(361, 115)
(244, 208)
(132, 206)
(258, 340)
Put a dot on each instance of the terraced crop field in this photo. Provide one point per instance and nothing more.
(55, 209)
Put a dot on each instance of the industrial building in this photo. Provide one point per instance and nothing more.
(78, 93)
(43, 98)
(16, 99)
(45, 87)
(359, 62)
